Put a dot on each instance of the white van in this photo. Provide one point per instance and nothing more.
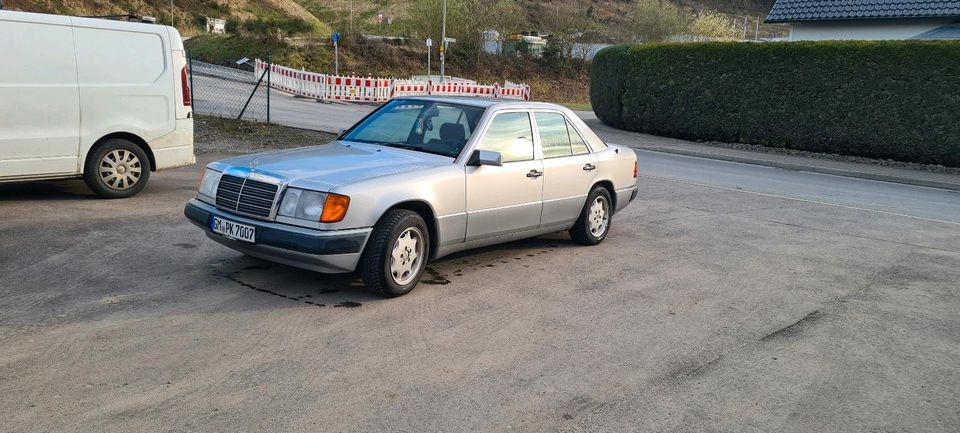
(105, 100)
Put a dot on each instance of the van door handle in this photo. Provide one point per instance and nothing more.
(589, 167)
(533, 174)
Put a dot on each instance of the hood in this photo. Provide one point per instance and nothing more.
(324, 167)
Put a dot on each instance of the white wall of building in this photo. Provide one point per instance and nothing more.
(862, 29)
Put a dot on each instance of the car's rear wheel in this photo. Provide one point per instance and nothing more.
(396, 253)
(595, 218)
(117, 168)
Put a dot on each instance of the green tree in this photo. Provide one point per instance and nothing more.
(653, 20)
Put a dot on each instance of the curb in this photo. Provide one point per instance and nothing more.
(809, 168)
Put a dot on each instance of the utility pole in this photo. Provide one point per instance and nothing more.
(443, 41)
(171, 14)
(756, 35)
(336, 52)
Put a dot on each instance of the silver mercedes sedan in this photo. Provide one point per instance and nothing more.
(417, 179)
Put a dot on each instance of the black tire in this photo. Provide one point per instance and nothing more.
(377, 260)
(585, 233)
(129, 176)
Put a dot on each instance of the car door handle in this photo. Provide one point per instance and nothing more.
(533, 174)
(589, 167)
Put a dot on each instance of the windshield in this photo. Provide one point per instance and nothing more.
(427, 126)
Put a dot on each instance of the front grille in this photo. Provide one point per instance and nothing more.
(248, 196)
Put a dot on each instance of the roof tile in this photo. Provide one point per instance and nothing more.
(804, 10)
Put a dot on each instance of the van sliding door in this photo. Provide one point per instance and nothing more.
(39, 102)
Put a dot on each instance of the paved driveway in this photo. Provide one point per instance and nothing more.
(730, 298)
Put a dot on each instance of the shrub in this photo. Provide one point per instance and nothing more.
(270, 25)
(891, 99)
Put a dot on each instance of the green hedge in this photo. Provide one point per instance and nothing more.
(893, 99)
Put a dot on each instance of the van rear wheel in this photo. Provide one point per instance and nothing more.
(117, 168)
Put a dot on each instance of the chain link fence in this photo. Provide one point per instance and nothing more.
(228, 92)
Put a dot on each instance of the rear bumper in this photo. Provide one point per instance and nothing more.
(630, 192)
(176, 148)
(330, 251)
(174, 157)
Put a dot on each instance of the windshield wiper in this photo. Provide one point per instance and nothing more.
(417, 148)
(403, 146)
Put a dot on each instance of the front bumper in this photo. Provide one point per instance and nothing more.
(330, 251)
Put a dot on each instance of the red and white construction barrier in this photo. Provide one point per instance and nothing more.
(326, 87)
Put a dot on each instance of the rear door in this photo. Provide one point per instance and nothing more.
(126, 79)
(506, 199)
(39, 101)
(569, 168)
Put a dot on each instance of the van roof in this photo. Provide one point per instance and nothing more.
(176, 43)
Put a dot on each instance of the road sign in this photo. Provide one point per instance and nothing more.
(429, 42)
(380, 17)
(335, 37)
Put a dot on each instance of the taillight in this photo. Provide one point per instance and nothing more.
(634, 169)
(185, 86)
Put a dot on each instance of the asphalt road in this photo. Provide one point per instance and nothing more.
(226, 98)
(729, 298)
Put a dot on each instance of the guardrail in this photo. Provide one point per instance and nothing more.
(325, 87)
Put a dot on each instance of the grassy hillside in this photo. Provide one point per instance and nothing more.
(296, 32)
(188, 15)
(603, 20)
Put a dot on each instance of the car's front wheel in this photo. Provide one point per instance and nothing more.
(594, 222)
(396, 253)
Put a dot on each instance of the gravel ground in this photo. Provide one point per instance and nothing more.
(729, 298)
(218, 135)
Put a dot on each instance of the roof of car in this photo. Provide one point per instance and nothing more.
(484, 102)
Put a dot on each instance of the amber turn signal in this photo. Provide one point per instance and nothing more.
(334, 208)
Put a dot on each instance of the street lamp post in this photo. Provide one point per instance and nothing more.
(443, 41)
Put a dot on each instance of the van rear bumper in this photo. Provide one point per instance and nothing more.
(174, 157)
(176, 148)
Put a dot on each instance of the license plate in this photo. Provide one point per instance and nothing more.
(232, 230)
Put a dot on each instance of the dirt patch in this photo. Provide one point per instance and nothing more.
(218, 135)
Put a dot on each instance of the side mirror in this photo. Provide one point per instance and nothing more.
(485, 157)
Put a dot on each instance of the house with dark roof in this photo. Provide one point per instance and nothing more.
(868, 19)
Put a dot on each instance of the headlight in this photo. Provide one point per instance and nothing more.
(209, 182)
(302, 204)
(313, 206)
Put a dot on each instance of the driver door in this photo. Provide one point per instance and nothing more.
(505, 199)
